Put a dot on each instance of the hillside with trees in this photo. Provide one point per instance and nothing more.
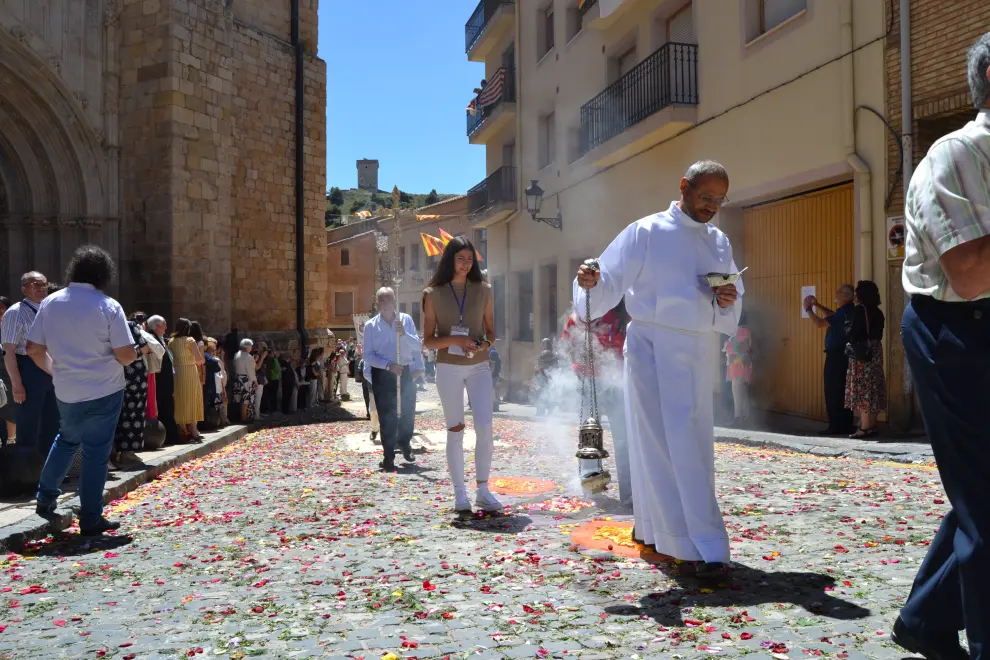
(343, 203)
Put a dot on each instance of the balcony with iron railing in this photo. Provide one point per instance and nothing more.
(493, 107)
(494, 198)
(491, 21)
(656, 98)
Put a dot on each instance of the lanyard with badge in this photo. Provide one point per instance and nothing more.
(459, 330)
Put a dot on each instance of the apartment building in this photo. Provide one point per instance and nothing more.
(605, 103)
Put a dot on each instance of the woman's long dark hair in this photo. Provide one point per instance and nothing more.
(182, 327)
(444, 274)
(196, 331)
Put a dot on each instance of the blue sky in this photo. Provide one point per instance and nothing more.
(398, 82)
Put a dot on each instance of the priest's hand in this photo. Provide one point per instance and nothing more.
(726, 295)
(587, 277)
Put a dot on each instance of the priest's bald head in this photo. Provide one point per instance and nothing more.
(703, 190)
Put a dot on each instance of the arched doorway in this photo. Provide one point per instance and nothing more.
(53, 169)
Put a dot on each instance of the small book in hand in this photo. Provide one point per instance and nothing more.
(716, 280)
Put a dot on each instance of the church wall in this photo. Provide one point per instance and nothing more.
(208, 122)
(263, 234)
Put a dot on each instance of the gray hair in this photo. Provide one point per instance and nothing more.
(30, 275)
(979, 63)
(246, 344)
(384, 291)
(704, 168)
(155, 321)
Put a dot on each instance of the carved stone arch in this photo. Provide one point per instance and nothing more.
(13, 177)
(28, 164)
(53, 167)
(55, 116)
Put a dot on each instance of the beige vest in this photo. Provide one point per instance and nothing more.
(448, 315)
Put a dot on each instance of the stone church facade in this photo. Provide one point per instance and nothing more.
(164, 130)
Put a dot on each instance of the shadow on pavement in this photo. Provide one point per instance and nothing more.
(495, 524)
(73, 545)
(744, 587)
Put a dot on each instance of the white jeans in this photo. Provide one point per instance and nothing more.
(740, 398)
(342, 390)
(452, 380)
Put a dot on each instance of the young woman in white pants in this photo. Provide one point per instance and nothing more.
(459, 323)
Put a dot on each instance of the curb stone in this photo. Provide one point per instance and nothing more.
(13, 537)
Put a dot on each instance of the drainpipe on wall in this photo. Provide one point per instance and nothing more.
(907, 142)
(520, 195)
(300, 181)
(862, 176)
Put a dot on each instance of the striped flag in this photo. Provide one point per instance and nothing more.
(446, 238)
(432, 245)
(493, 90)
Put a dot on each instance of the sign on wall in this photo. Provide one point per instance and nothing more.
(805, 292)
(895, 237)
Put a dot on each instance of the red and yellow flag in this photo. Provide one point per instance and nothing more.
(432, 245)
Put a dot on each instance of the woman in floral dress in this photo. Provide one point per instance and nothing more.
(866, 385)
(129, 436)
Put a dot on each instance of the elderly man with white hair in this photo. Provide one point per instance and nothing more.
(382, 334)
(164, 381)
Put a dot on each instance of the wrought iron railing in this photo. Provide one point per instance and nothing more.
(507, 95)
(475, 26)
(586, 7)
(500, 186)
(668, 76)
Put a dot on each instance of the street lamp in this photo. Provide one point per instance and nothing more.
(534, 202)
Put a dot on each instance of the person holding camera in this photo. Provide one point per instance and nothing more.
(459, 322)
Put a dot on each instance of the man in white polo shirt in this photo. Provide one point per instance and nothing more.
(80, 336)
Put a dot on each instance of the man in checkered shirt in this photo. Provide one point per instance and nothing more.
(946, 334)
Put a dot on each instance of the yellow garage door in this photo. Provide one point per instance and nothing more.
(804, 241)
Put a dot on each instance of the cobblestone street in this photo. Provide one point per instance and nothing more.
(291, 544)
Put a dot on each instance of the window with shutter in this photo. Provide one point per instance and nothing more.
(680, 27)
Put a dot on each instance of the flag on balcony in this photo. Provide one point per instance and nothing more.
(432, 245)
(493, 90)
(427, 217)
(445, 236)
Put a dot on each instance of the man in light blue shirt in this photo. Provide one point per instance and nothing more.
(81, 337)
(385, 367)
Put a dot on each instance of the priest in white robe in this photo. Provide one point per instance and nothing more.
(659, 264)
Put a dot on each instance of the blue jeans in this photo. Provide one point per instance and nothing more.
(613, 405)
(92, 425)
(948, 348)
(397, 432)
(37, 417)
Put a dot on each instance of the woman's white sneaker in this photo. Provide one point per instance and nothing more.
(485, 501)
(462, 504)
